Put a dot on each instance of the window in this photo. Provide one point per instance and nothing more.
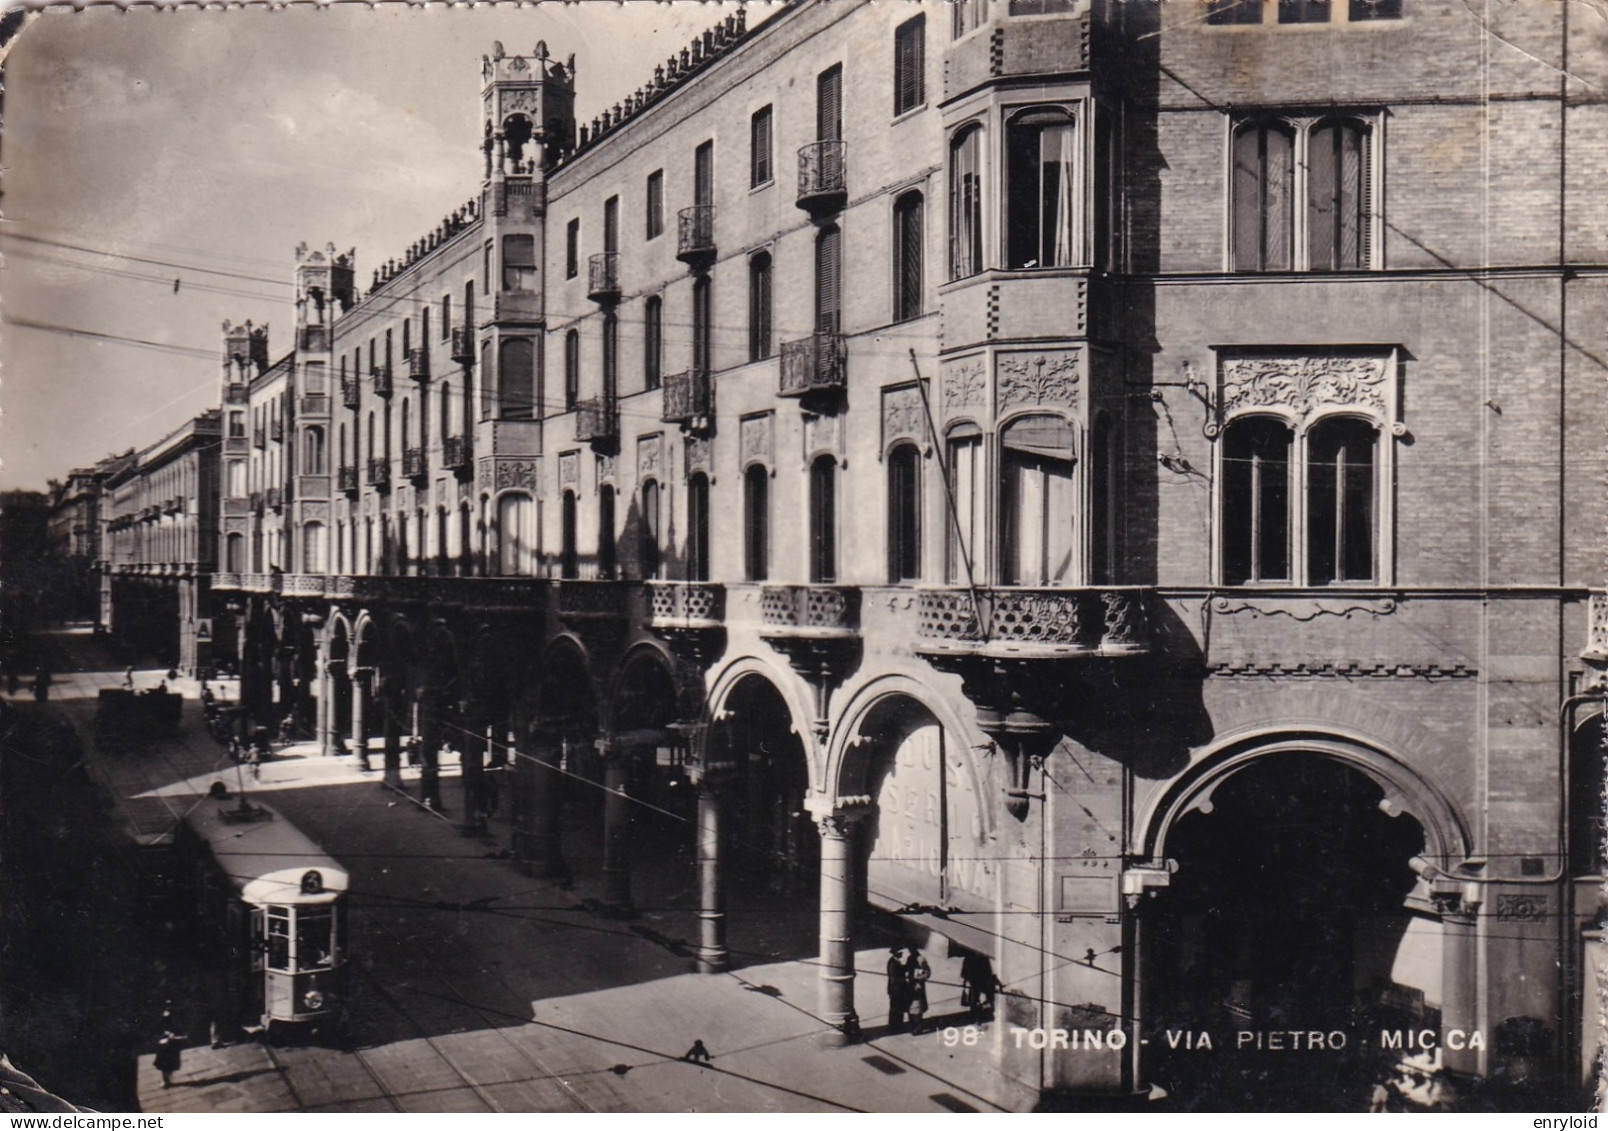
(907, 226)
(237, 425)
(572, 249)
(313, 547)
(572, 369)
(655, 197)
(966, 203)
(1340, 501)
(519, 263)
(1038, 504)
(904, 513)
(469, 304)
(965, 485)
(652, 343)
(829, 104)
(1364, 10)
(648, 554)
(313, 451)
(909, 65)
(828, 281)
(759, 306)
(703, 174)
(611, 225)
(759, 148)
(1104, 475)
(516, 379)
(605, 533)
(1234, 11)
(446, 317)
(1040, 149)
(568, 558)
(698, 527)
(1041, 7)
(756, 522)
(611, 357)
(702, 324)
(823, 520)
(1302, 198)
(1303, 11)
(1256, 501)
(967, 16)
(234, 553)
(237, 479)
(516, 535)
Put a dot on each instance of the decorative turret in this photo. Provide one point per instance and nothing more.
(245, 352)
(529, 111)
(323, 278)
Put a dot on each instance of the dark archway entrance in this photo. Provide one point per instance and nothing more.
(1287, 919)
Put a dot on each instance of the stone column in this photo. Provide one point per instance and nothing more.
(326, 706)
(544, 798)
(1459, 1009)
(616, 826)
(712, 953)
(391, 711)
(837, 928)
(360, 696)
(429, 736)
(471, 761)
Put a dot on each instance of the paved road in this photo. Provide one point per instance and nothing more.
(478, 989)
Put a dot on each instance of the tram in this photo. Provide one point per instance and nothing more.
(274, 906)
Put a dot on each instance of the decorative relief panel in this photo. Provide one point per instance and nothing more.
(315, 512)
(483, 473)
(519, 102)
(758, 439)
(964, 384)
(1522, 908)
(700, 455)
(605, 468)
(650, 456)
(1305, 383)
(822, 434)
(441, 492)
(569, 470)
(903, 415)
(236, 525)
(1037, 379)
(515, 474)
(466, 490)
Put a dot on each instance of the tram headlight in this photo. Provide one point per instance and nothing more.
(312, 999)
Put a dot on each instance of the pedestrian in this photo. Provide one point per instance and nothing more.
(128, 678)
(697, 1054)
(41, 683)
(169, 1048)
(898, 989)
(977, 984)
(920, 973)
(256, 762)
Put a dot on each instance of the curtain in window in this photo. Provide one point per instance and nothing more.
(1042, 148)
(519, 264)
(652, 343)
(904, 513)
(572, 369)
(965, 477)
(966, 205)
(759, 307)
(516, 529)
(1039, 506)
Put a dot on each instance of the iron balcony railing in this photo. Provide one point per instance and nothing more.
(381, 375)
(597, 420)
(695, 241)
(351, 390)
(603, 277)
(814, 364)
(379, 473)
(419, 363)
(821, 183)
(688, 397)
(413, 463)
(346, 479)
(463, 345)
(456, 452)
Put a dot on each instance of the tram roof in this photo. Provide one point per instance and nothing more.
(263, 855)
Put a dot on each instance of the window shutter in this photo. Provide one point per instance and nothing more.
(828, 282)
(829, 105)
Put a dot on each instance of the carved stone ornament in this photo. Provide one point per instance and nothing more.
(1529, 908)
(483, 474)
(822, 434)
(964, 384)
(700, 455)
(902, 415)
(235, 525)
(516, 474)
(1305, 383)
(650, 456)
(757, 438)
(569, 470)
(519, 102)
(466, 490)
(315, 512)
(1034, 379)
(605, 468)
(441, 493)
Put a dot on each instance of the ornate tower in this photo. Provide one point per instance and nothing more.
(529, 110)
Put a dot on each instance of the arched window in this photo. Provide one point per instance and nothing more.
(698, 527)
(1040, 165)
(653, 343)
(907, 256)
(965, 445)
(904, 513)
(605, 532)
(237, 479)
(1104, 476)
(568, 560)
(823, 520)
(313, 548)
(313, 451)
(1038, 508)
(516, 534)
(756, 523)
(966, 203)
(406, 435)
(1256, 500)
(446, 409)
(572, 369)
(372, 453)
(234, 553)
(1340, 501)
(516, 379)
(1264, 196)
(649, 555)
(759, 306)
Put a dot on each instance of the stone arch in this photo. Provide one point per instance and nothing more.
(645, 673)
(1447, 838)
(787, 686)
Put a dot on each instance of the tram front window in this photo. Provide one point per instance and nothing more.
(278, 938)
(313, 939)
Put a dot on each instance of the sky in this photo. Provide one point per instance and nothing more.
(148, 148)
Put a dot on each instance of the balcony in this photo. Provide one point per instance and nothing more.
(276, 429)
(225, 581)
(256, 502)
(419, 363)
(695, 241)
(822, 612)
(414, 465)
(457, 453)
(463, 345)
(597, 421)
(816, 364)
(379, 475)
(689, 400)
(303, 585)
(313, 404)
(592, 601)
(259, 437)
(821, 185)
(351, 390)
(1596, 650)
(261, 582)
(274, 498)
(685, 605)
(1033, 623)
(346, 479)
(381, 376)
(603, 277)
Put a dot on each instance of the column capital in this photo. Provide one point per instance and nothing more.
(835, 820)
